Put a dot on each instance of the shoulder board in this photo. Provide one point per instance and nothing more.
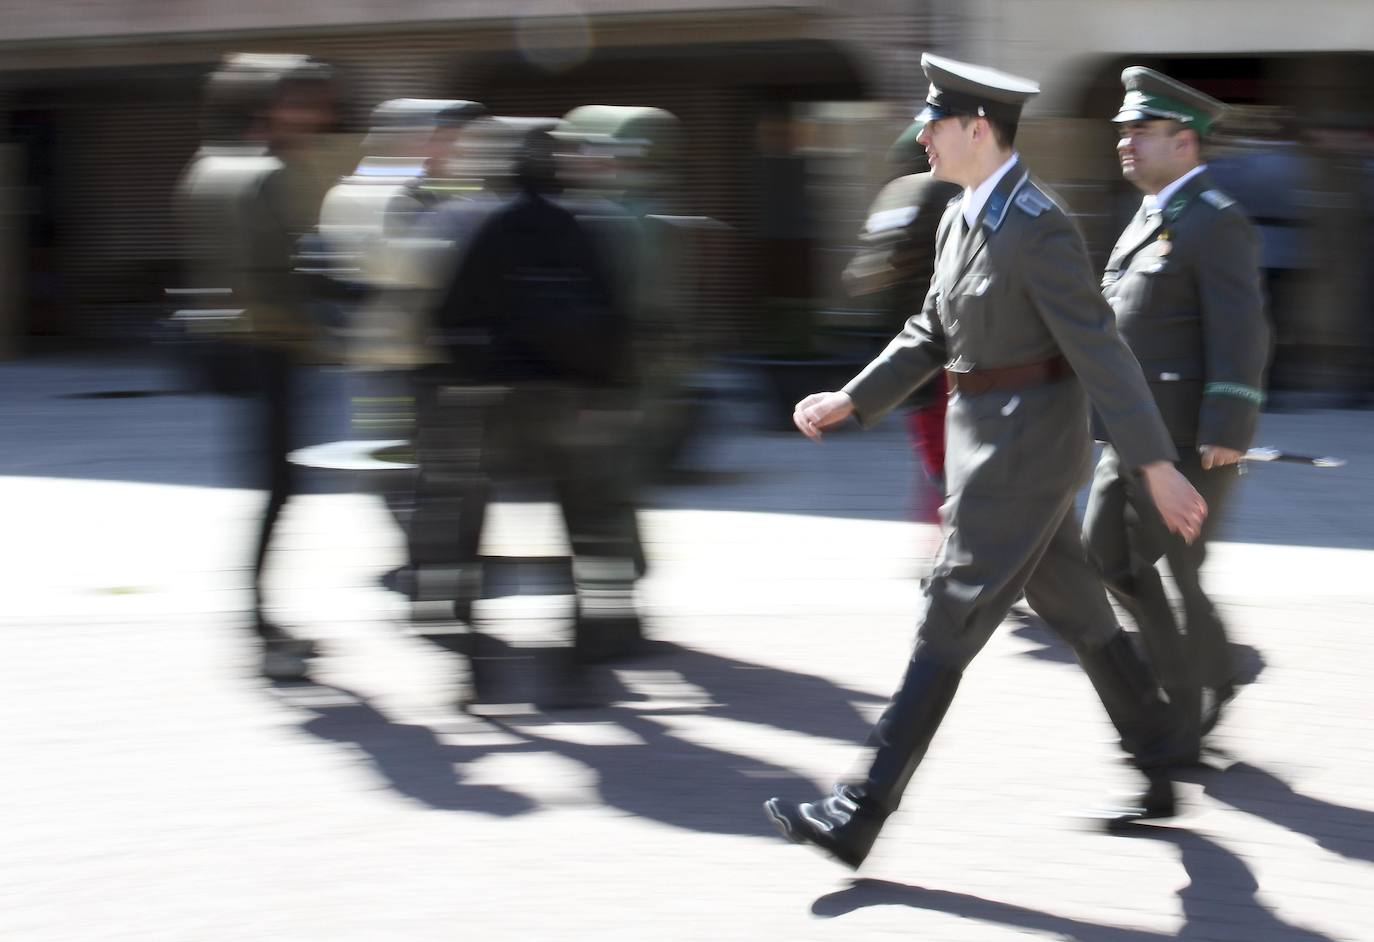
(1032, 202)
(1217, 199)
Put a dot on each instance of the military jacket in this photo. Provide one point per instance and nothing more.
(244, 211)
(1185, 286)
(1018, 288)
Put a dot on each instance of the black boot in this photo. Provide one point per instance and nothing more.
(838, 825)
(846, 823)
(1155, 802)
(1153, 734)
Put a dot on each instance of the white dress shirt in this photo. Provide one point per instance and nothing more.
(976, 198)
(1155, 202)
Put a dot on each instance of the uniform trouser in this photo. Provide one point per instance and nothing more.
(451, 486)
(564, 435)
(1125, 537)
(998, 547)
(273, 430)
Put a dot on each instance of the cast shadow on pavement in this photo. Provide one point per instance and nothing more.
(656, 759)
(1342, 830)
(670, 772)
(411, 758)
(1219, 899)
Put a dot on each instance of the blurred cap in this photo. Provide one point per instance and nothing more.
(631, 130)
(960, 88)
(1152, 96)
(414, 114)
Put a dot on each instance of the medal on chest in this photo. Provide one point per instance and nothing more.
(1159, 249)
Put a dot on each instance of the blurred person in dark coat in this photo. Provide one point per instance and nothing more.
(248, 197)
(533, 318)
(1184, 281)
(894, 267)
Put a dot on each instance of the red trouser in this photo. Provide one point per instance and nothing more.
(926, 427)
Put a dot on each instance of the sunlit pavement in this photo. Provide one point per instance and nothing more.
(155, 789)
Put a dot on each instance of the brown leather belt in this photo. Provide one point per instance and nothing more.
(977, 382)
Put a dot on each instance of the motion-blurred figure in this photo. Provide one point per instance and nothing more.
(248, 197)
(1268, 175)
(894, 267)
(624, 175)
(379, 230)
(368, 219)
(1339, 330)
(539, 342)
(451, 407)
(1184, 281)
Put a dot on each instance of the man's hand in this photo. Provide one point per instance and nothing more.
(820, 411)
(1181, 507)
(1215, 456)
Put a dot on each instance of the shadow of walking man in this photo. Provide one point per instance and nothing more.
(412, 759)
(1219, 899)
(1346, 831)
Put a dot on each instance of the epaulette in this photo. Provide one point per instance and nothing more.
(1217, 199)
(1032, 202)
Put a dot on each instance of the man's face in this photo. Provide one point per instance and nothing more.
(1153, 154)
(300, 111)
(949, 147)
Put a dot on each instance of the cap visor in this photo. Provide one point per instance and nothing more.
(1142, 114)
(931, 113)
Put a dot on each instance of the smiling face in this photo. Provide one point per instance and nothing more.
(949, 147)
(1154, 153)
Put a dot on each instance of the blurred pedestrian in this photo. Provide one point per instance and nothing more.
(893, 268)
(539, 346)
(380, 226)
(1184, 281)
(1015, 318)
(249, 196)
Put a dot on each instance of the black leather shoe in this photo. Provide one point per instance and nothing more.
(1155, 803)
(837, 825)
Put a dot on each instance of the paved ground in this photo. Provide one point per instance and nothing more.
(154, 790)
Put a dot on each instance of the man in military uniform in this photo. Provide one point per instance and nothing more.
(1184, 281)
(248, 197)
(1016, 321)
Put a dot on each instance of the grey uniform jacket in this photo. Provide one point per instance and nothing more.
(1185, 285)
(1018, 288)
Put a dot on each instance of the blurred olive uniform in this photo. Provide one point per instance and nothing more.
(247, 204)
(1014, 318)
(1184, 281)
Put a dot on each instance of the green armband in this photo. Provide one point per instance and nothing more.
(1238, 390)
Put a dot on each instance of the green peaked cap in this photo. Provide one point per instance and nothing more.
(1151, 95)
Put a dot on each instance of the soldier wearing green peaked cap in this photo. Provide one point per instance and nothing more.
(1184, 281)
(1015, 320)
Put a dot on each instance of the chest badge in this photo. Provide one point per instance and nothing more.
(1159, 248)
